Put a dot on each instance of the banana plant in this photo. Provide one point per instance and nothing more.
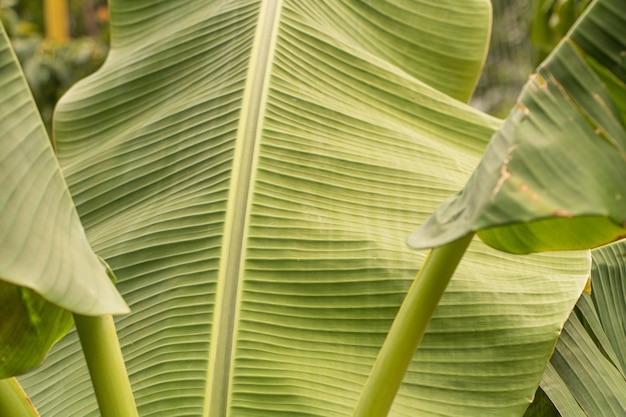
(524, 196)
(48, 270)
(565, 138)
(586, 374)
(250, 171)
(551, 20)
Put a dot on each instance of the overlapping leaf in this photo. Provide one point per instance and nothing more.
(30, 326)
(250, 171)
(552, 176)
(44, 253)
(586, 375)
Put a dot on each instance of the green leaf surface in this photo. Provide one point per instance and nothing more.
(44, 246)
(542, 406)
(46, 263)
(30, 326)
(609, 296)
(551, 177)
(250, 171)
(586, 376)
(562, 399)
(592, 379)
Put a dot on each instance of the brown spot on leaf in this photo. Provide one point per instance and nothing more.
(504, 175)
(522, 108)
(599, 99)
(537, 79)
(562, 213)
(525, 188)
(504, 172)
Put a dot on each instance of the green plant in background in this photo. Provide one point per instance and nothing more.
(524, 32)
(509, 60)
(551, 20)
(251, 172)
(51, 68)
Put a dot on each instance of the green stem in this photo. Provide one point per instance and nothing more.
(13, 400)
(106, 366)
(408, 329)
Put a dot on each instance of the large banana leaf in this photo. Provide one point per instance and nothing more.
(250, 170)
(552, 176)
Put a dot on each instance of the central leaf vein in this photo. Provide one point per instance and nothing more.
(244, 166)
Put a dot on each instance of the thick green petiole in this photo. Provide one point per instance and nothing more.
(13, 400)
(106, 366)
(408, 329)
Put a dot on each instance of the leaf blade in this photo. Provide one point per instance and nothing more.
(44, 245)
(352, 148)
(525, 195)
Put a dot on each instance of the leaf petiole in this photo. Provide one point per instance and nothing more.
(13, 400)
(408, 328)
(102, 351)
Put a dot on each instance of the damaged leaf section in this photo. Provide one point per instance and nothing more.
(550, 176)
(505, 174)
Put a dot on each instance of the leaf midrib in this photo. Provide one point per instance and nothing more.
(244, 163)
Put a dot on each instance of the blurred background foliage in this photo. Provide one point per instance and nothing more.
(50, 66)
(524, 32)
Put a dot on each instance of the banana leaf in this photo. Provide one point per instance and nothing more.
(47, 267)
(250, 171)
(586, 375)
(551, 177)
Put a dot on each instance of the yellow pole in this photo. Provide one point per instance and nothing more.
(57, 20)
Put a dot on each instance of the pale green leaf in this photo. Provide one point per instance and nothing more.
(542, 406)
(586, 376)
(250, 171)
(559, 394)
(592, 379)
(46, 263)
(586, 310)
(551, 177)
(44, 246)
(609, 296)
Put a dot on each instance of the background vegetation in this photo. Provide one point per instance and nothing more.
(524, 32)
(52, 67)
